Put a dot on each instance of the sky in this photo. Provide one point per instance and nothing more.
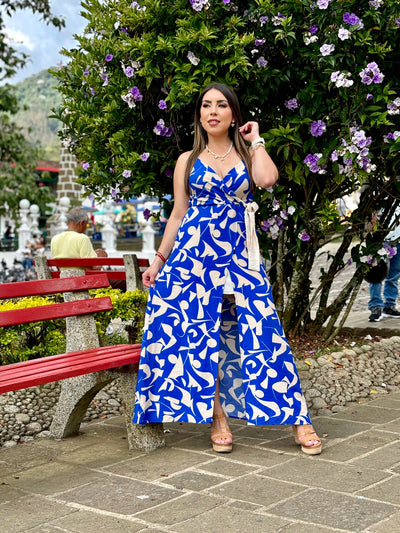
(41, 42)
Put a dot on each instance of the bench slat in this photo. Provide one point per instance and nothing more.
(50, 312)
(88, 261)
(21, 289)
(29, 373)
(93, 261)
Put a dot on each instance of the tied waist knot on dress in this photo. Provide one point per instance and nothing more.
(250, 209)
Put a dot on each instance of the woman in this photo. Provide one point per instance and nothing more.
(213, 344)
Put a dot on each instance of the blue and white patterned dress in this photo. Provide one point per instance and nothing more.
(192, 331)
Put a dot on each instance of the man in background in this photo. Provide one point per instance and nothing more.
(74, 243)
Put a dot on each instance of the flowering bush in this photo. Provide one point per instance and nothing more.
(319, 76)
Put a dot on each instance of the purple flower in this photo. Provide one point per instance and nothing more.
(371, 74)
(227, 1)
(352, 20)
(311, 160)
(323, 4)
(334, 156)
(162, 104)
(93, 92)
(263, 20)
(198, 5)
(318, 127)
(313, 29)
(343, 34)
(85, 166)
(292, 103)
(369, 97)
(136, 94)
(265, 225)
(398, 22)
(109, 57)
(168, 172)
(161, 129)
(86, 72)
(114, 193)
(126, 173)
(129, 72)
(304, 236)
(144, 156)
(146, 214)
(259, 42)
(193, 59)
(327, 49)
(262, 62)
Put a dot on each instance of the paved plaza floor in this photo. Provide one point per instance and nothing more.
(92, 483)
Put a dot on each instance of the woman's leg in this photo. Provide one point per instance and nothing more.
(221, 435)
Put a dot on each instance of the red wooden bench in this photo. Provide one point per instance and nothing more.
(139, 265)
(90, 368)
(44, 370)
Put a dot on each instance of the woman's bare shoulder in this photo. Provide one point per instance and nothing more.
(183, 158)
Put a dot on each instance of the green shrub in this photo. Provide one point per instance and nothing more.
(41, 339)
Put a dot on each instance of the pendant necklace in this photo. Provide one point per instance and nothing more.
(216, 156)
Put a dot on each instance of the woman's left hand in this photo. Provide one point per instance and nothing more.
(250, 131)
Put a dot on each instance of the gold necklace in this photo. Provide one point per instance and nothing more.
(216, 156)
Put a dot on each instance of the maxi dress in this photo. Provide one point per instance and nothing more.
(193, 332)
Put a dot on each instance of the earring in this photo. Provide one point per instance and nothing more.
(233, 123)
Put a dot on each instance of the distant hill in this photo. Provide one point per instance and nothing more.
(37, 96)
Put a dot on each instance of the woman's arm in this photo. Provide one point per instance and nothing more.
(264, 171)
(181, 204)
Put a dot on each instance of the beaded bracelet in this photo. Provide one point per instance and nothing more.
(258, 142)
(160, 255)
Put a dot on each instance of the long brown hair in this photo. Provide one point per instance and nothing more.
(201, 137)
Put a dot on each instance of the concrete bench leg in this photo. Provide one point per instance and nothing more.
(75, 397)
(148, 437)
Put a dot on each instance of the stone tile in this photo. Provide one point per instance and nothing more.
(200, 442)
(387, 491)
(229, 519)
(390, 525)
(338, 429)
(226, 467)
(119, 495)
(384, 458)
(256, 456)
(358, 445)
(23, 457)
(158, 464)
(264, 433)
(8, 494)
(180, 509)
(100, 429)
(393, 427)
(390, 401)
(315, 472)
(333, 509)
(191, 480)
(257, 489)
(29, 512)
(100, 454)
(91, 522)
(368, 413)
(52, 478)
(297, 527)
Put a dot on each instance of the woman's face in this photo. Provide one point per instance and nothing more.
(215, 113)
